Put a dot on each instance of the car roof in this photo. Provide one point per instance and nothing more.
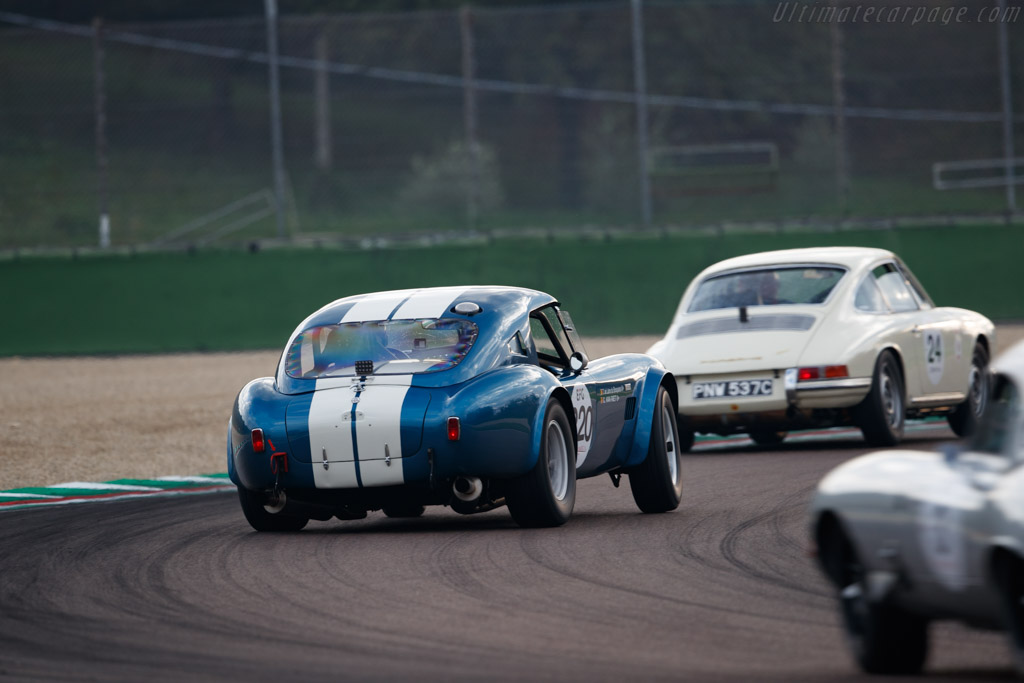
(849, 257)
(425, 302)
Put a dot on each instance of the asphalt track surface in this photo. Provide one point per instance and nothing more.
(182, 589)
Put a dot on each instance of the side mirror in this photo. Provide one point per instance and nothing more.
(577, 361)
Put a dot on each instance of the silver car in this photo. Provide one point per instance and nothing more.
(908, 537)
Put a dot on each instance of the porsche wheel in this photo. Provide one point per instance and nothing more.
(768, 437)
(965, 418)
(255, 509)
(545, 495)
(884, 638)
(882, 414)
(404, 511)
(657, 482)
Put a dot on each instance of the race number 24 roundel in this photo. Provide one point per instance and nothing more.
(583, 407)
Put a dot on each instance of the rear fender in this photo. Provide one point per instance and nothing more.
(561, 395)
(501, 414)
(655, 378)
(259, 404)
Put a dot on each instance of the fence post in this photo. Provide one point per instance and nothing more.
(839, 104)
(1004, 77)
(102, 187)
(322, 102)
(275, 114)
(470, 115)
(640, 88)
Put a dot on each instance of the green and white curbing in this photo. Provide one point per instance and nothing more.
(81, 491)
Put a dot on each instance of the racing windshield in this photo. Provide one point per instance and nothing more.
(395, 347)
(767, 287)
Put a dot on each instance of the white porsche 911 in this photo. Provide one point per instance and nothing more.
(808, 338)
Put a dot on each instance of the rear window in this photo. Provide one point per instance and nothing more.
(395, 347)
(766, 287)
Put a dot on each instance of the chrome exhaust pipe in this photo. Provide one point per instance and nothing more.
(275, 502)
(467, 489)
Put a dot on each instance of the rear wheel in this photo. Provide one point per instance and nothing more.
(767, 437)
(657, 482)
(965, 418)
(884, 638)
(882, 414)
(545, 495)
(262, 517)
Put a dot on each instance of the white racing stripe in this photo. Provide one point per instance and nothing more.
(376, 306)
(379, 433)
(431, 303)
(331, 432)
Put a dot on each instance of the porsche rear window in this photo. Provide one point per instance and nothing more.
(766, 287)
(394, 347)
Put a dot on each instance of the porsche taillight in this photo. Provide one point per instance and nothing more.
(259, 444)
(822, 372)
(804, 374)
(454, 429)
(836, 371)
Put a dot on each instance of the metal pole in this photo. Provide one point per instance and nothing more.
(1004, 74)
(640, 89)
(839, 103)
(322, 104)
(275, 114)
(102, 187)
(470, 115)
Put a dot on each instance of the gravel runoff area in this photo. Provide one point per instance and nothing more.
(106, 418)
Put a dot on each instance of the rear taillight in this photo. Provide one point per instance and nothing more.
(454, 429)
(822, 372)
(259, 445)
(804, 374)
(836, 371)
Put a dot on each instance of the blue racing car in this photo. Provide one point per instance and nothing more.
(471, 397)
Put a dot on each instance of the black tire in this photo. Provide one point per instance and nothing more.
(404, 511)
(768, 438)
(882, 414)
(256, 513)
(884, 638)
(1010, 579)
(657, 482)
(965, 418)
(545, 496)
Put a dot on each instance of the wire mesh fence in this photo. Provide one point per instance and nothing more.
(504, 120)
